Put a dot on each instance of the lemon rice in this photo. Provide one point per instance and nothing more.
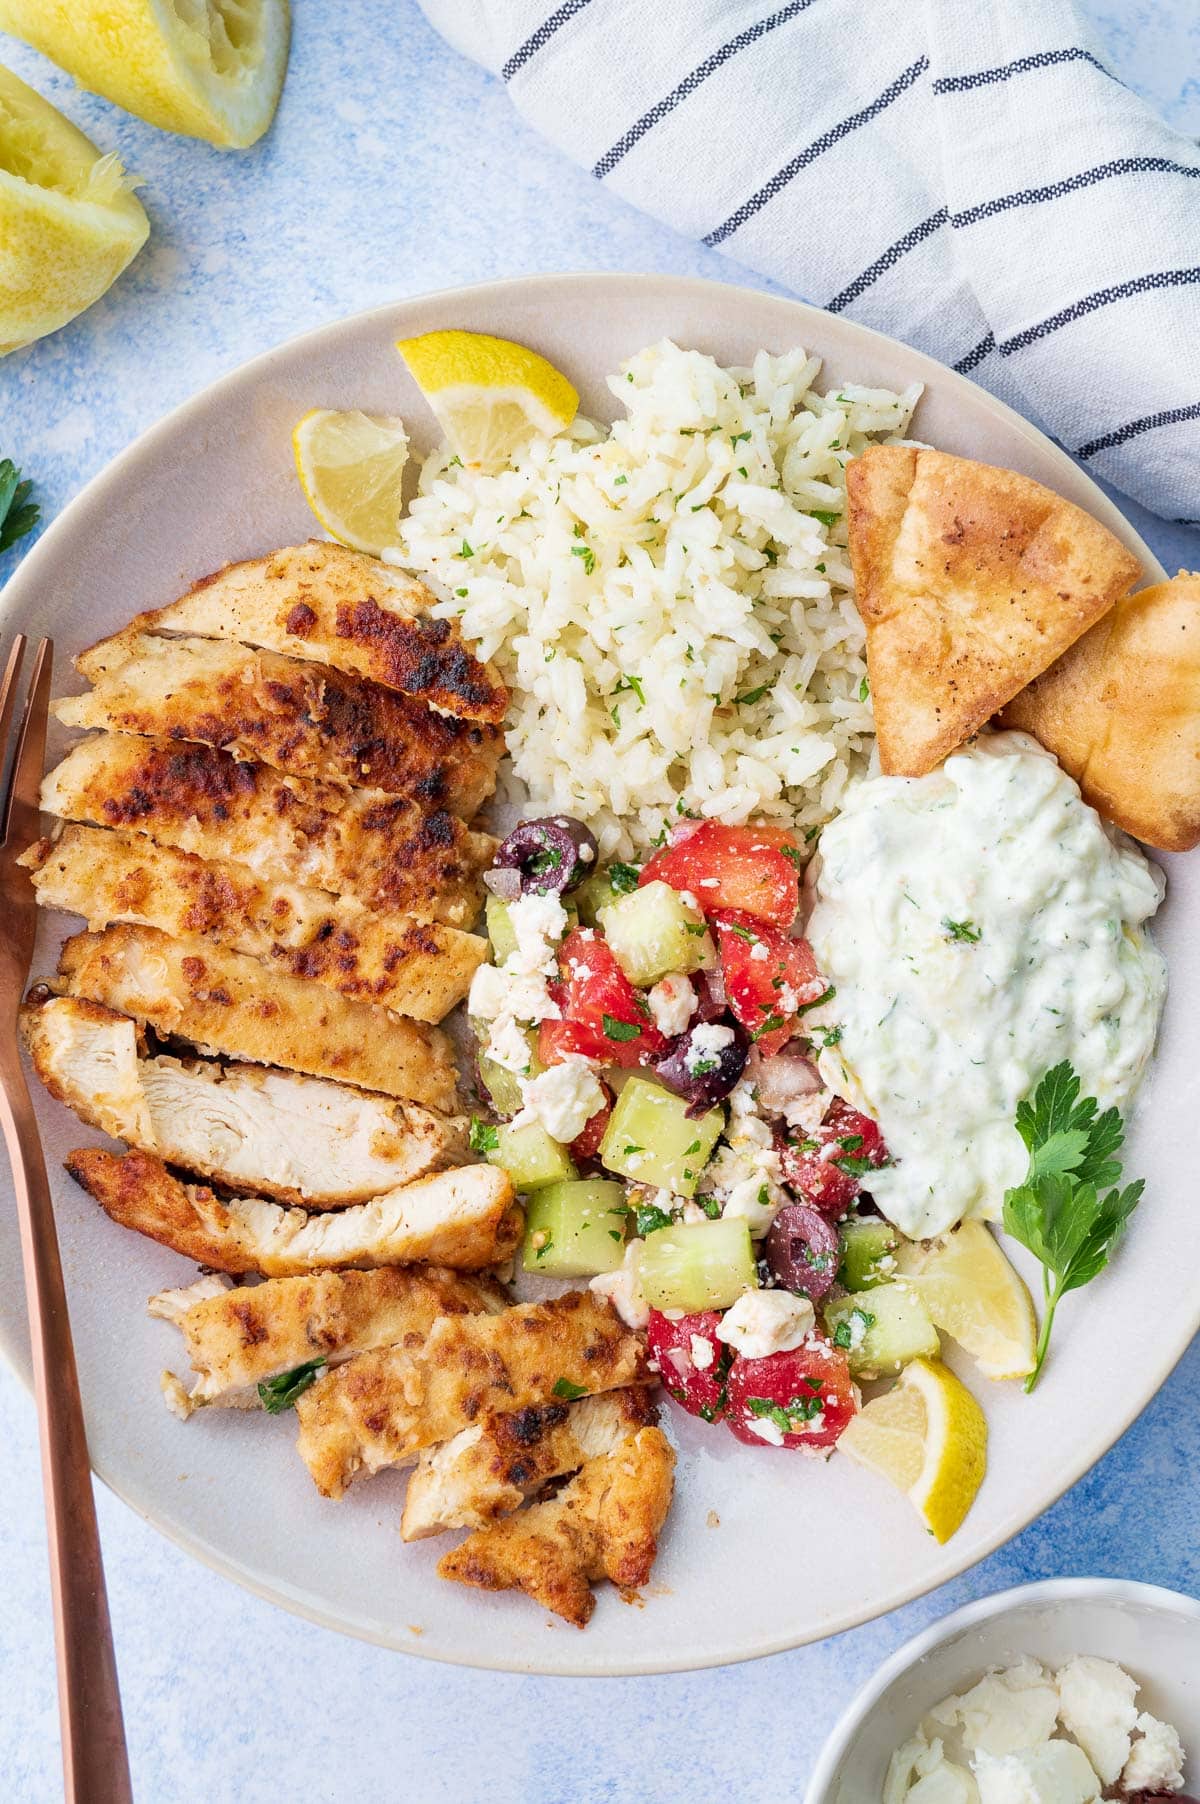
(211, 69)
(928, 1437)
(69, 224)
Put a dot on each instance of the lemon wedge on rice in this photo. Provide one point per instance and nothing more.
(928, 1436)
(211, 69)
(489, 395)
(68, 222)
(350, 466)
(974, 1294)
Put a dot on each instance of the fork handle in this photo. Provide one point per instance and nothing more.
(95, 1763)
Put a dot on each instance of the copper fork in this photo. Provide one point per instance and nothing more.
(95, 1764)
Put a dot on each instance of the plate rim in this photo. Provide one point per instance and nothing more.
(20, 590)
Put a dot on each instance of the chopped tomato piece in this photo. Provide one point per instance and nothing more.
(769, 978)
(827, 1167)
(799, 1399)
(603, 1016)
(753, 869)
(585, 1146)
(699, 1387)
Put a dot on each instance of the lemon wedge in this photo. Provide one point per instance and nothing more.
(211, 69)
(928, 1436)
(489, 395)
(68, 222)
(350, 466)
(974, 1294)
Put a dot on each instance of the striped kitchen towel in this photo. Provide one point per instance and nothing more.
(971, 178)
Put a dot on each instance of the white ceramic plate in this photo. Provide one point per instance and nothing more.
(801, 1550)
(1153, 1633)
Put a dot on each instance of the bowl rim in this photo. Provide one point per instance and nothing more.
(982, 1609)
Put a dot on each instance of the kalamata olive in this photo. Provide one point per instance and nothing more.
(550, 855)
(802, 1250)
(704, 1064)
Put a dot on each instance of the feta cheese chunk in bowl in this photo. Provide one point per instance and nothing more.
(1047, 1655)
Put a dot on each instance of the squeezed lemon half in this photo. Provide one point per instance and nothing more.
(489, 395)
(69, 223)
(974, 1294)
(350, 466)
(928, 1437)
(211, 69)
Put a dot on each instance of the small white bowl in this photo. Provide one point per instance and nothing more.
(1153, 1633)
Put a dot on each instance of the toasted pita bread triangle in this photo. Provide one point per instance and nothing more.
(971, 581)
(1121, 713)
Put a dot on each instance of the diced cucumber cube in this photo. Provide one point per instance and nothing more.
(530, 1157)
(501, 1084)
(698, 1265)
(652, 931)
(650, 1138)
(867, 1243)
(499, 929)
(882, 1330)
(575, 1229)
(601, 888)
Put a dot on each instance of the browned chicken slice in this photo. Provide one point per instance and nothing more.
(243, 1337)
(382, 1408)
(603, 1525)
(225, 1003)
(306, 719)
(299, 1140)
(414, 967)
(385, 850)
(488, 1470)
(334, 606)
(465, 1219)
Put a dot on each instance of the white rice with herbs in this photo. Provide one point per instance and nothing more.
(670, 600)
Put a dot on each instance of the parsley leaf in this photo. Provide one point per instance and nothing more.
(587, 554)
(620, 1030)
(965, 931)
(1063, 1212)
(650, 1218)
(624, 877)
(484, 1137)
(280, 1393)
(564, 1388)
(751, 696)
(18, 514)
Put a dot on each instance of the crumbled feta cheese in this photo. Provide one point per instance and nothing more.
(1096, 1705)
(806, 1112)
(759, 953)
(507, 1046)
(752, 1200)
(1006, 1711)
(1057, 1772)
(766, 1430)
(562, 1099)
(672, 1004)
(919, 1773)
(488, 995)
(763, 1322)
(707, 1043)
(703, 1352)
(539, 923)
(1156, 1760)
(623, 1287)
(689, 901)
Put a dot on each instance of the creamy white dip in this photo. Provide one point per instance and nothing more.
(978, 925)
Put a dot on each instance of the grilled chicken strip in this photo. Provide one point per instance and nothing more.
(413, 967)
(385, 850)
(230, 1005)
(334, 606)
(238, 1339)
(488, 1470)
(299, 1140)
(306, 719)
(382, 1408)
(604, 1524)
(465, 1219)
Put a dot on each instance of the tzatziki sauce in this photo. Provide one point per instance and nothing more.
(977, 925)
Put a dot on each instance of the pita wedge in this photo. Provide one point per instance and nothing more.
(971, 581)
(1121, 713)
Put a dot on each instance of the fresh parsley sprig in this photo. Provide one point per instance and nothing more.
(18, 514)
(1070, 1211)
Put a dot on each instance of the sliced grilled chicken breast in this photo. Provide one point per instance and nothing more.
(385, 850)
(230, 1005)
(335, 606)
(414, 967)
(604, 1524)
(237, 1339)
(306, 719)
(299, 1140)
(488, 1470)
(380, 1409)
(465, 1219)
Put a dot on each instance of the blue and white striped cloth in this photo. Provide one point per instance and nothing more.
(970, 178)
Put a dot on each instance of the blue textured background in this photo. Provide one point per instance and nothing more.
(395, 167)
